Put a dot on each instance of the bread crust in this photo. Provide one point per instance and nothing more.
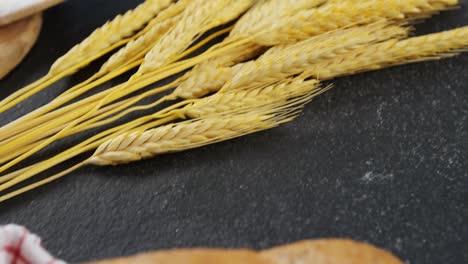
(16, 40)
(314, 252)
(14, 10)
(332, 251)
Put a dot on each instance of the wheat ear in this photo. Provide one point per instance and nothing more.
(278, 103)
(163, 22)
(262, 13)
(338, 14)
(196, 19)
(133, 50)
(220, 102)
(300, 26)
(198, 15)
(265, 13)
(394, 52)
(72, 112)
(120, 27)
(241, 100)
(284, 61)
(101, 41)
(188, 135)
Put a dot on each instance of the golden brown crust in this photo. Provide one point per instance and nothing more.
(16, 40)
(193, 256)
(314, 252)
(14, 10)
(331, 251)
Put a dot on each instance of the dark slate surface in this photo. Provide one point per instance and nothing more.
(381, 158)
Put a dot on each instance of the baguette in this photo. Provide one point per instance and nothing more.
(313, 252)
(16, 40)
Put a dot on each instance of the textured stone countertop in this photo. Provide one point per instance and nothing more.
(382, 158)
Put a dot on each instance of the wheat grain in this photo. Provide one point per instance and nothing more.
(134, 48)
(241, 100)
(394, 52)
(233, 10)
(263, 12)
(186, 135)
(165, 20)
(133, 146)
(283, 27)
(267, 12)
(338, 14)
(284, 61)
(120, 27)
(198, 17)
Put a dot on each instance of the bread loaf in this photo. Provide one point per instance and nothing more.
(313, 252)
(14, 10)
(16, 40)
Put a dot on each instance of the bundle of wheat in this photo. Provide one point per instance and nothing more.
(260, 76)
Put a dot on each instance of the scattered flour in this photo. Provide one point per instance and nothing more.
(371, 176)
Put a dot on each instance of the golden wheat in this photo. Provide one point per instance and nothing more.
(254, 21)
(284, 61)
(280, 102)
(198, 17)
(120, 27)
(191, 134)
(165, 20)
(101, 41)
(287, 26)
(394, 52)
(265, 13)
(249, 98)
(338, 14)
(105, 101)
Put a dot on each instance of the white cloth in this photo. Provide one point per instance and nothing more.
(19, 246)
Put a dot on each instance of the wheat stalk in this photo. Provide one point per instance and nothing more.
(286, 26)
(394, 52)
(120, 27)
(262, 13)
(267, 12)
(165, 20)
(284, 61)
(100, 42)
(338, 14)
(241, 100)
(191, 134)
(199, 16)
(220, 102)
(131, 52)
(73, 112)
(277, 103)
(116, 97)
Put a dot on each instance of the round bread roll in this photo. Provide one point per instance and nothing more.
(14, 10)
(313, 252)
(16, 40)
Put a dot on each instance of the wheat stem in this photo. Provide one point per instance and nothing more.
(394, 52)
(267, 101)
(101, 41)
(191, 18)
(135, 146)
(40, 183)
(339, 14)
(81, 148)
